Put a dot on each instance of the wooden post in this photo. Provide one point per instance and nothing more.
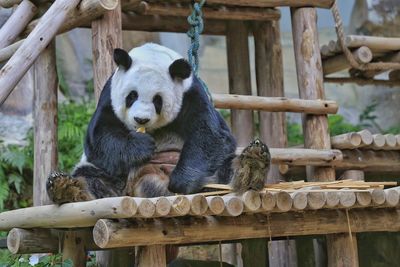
(106, 36)
(34, 44)
(45, 122)
(239, 78)
(269, 78)
(315, 127)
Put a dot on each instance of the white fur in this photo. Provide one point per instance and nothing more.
(148, 75)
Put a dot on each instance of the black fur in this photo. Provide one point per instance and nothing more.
(131, 98)
(122, 58)
(180, 68)
(208, 144)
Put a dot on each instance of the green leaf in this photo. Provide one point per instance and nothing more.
(16, 180)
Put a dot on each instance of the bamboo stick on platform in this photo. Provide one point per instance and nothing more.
(275, 104)
(16, 23)
(109, 234)
(346, 141)
(338, 63)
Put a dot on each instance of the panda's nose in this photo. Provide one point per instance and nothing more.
(141, 120)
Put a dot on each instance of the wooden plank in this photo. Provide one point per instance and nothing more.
(45, 157)
(108, 233)
(270, 3)
(34, 44)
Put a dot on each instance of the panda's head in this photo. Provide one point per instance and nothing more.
(148, 86)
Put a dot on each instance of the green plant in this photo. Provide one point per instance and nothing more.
(8, 260)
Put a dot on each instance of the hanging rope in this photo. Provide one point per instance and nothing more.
(346, 51)
(196, 28)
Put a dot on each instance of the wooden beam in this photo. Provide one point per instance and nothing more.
(16, 23)
(34, 44)
(373, 42)
(274, 104)
(45, 157)
(221, 13)
(338, 63)
(109, 234)
(362, 81)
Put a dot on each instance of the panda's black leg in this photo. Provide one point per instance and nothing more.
(63, 188)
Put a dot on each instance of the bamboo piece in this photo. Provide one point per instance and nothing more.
(80, 214)
(9, 3)
(338, 63)
(109, 234)
(275, 104)
(273, 3)
(45, 157)
(251, 201)
(239, 79)
(35, 43)
(392, 196)
(16, 23)
(198, 204)
(233, 206)
(216, 205)
(135, 22)
(346, 141)
(268, 201)
(222, 13)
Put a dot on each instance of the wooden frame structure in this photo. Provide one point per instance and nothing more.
(263, 214)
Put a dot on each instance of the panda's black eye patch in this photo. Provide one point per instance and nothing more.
(158, 102)
(131, 98)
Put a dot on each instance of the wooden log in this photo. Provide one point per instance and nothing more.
(233, 206)
(338, 63)
(198, 204)
(373, 42)
(153, 255)
(366, 137)
(316, 200)
(332, 199)
(284, 202)
(221, 13)
(251, 201)
(300, 156)
(363, 198)
(16, 23)
(79, 214)
(275, 104)
(216, 205)
(378, 196)
(162, 206)
(272, 3)
(369, 74)
(9, 3)
(180, 205)
(135, 22)
(356, 175)
(8, 51)
(394, 75)
(35, 43)
(109, 234)
(22, 241)
(73, 248)
(299, 200)
(346, 141)
(361, 81)
(346, 253)
(268, 201)
(378, 142)
(239, 79)
(269, 79)
(45, 157)
(146, 208)
(392, 196)
(390, 142)
(29, 241)
(325, 52)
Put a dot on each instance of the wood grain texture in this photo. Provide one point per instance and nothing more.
(45, 157)
(34, 44)
(16, 23)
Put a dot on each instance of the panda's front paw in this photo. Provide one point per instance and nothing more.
(62, 188)
(146, 147)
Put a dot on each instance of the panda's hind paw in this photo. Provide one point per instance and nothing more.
(63, 188)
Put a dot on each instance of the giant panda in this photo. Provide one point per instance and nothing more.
(154, 88)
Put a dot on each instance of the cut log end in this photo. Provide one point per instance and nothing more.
(378, 196)
(163, 206)
(251, 200)
(180, 205)
(392, 196)
(233, 206)
(366, 137)
(198, 205)
(268, 201)
(13, 241)
(347, 199)
(146, 208)
(216, 205)
(316, 200)
(284, 202)
(364, 198)
(100, 233)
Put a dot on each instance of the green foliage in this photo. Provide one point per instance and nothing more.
(294, 134)
(338, 125)
(8, 260)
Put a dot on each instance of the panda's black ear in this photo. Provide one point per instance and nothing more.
(122, 58)
(180, 68)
